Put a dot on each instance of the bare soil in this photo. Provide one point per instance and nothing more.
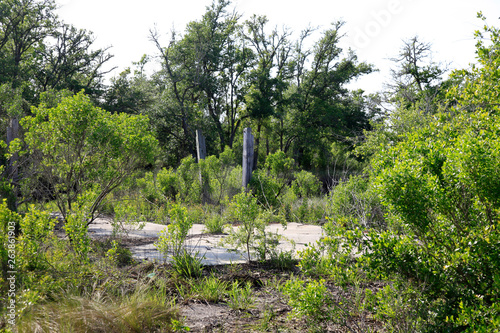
(269, 311)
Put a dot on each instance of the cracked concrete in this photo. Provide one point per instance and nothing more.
(295, 237)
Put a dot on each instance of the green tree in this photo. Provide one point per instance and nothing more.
(269, 76)
(201, 76)
(323, 109)
(416, 78)
(81, 153)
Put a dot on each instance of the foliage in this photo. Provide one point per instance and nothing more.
(171, 239)
(187, 264)
(83, 152)
(140, 311)
(119, 255)
(305, 184)
(335, 255)
(353, 203)
(215, 223)
(209, 289)
(443, 195)
(244, 209)
(401, 308)
(240, 298)
(308, 301)
(208, 181)
(269, 183)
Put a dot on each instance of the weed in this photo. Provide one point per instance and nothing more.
(214, 224)
(209, 289)
(187, 264)
(240, 298)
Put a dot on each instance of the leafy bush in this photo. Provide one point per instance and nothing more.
(309, 300)
(269, 183)
(244, 209)
(305, 184)
(172, 238)
(354, 203)
(240, 298)
(80, 152)
(119, 255)
(187, 264)
(209, 289)
(215, 223)
(442, 189)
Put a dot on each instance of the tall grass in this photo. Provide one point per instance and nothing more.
(145, 310)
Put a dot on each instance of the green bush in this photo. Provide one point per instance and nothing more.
(187, 264)
(305, 184)
(310, 301)
(171, 239)
(270, 183)
(215, 223)
(240, 298)
(354, 203)
(244, 209)
(442, 189)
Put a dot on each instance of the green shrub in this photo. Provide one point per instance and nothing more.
(309, 301)
(171, 239)
(168, 183)
(442, 189)
(119, 255)
(214, 224)
(354, 203)
(209, 289)
(187, 264)
(270, 183)
(244, 209)
(305, 184)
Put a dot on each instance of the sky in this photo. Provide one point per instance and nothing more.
(374, 29)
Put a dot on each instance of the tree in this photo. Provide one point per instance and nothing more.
(70, 63)
(416, 92)
(270, 73)
(201, 75)
(321, 108)
(417, 78)
(81, 153)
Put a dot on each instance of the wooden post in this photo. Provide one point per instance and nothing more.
(247, 164)
(201, 153)
(201, 150)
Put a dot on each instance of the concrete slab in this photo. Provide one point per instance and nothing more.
(294, 237)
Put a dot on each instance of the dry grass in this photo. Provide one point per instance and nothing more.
(79, 314)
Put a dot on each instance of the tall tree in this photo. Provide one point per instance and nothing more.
(416, 78)
(322, 108)
(203, 70)
(270, 73)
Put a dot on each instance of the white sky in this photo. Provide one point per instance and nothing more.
(374, 28)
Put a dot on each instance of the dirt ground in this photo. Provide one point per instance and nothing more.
(269, 311)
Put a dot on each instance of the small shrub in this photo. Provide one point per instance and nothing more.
(283, 260)
(172, 239)
(355, 203)
(244, 209)
(309, 300)
(119, 255)
(214, 224)
(305, 184)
